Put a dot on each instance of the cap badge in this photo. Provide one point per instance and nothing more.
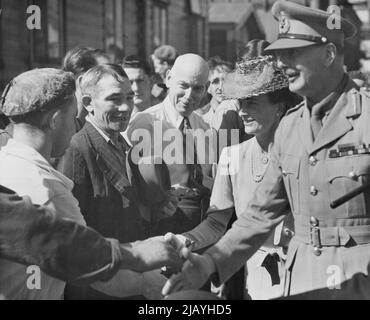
(284, 24)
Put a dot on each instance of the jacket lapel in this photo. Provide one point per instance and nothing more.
(113, 168)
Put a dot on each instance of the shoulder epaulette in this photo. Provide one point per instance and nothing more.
(358, 98)
(365, 91)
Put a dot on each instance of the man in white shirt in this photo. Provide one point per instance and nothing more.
(42, 106)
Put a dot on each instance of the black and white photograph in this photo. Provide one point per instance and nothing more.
(203, 151)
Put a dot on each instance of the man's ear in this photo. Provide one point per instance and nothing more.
(330, 54)
(86, 102)
(53, 118)
(78, 81)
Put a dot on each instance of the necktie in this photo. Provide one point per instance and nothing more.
(195, 170)
(316, 119)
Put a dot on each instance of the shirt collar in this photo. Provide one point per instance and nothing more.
(173, 116)
(106, 137)
(29, 154)
(329, 101)
(101, 132)
(214, 104)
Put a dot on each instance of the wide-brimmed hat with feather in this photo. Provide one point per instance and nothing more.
(255, 77)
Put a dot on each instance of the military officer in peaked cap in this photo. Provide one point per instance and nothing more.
(320, 165)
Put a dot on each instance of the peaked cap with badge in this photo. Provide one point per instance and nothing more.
(301, 26)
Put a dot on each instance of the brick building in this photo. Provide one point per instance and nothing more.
(118, 26)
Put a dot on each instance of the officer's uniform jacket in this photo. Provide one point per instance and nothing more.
(330, 246)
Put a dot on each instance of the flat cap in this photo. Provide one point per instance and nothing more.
(37, 90)
(301, 26)
(166, 53)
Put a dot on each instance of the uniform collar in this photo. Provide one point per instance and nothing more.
(329, 101)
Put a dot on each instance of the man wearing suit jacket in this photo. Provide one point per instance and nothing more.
(97, 162)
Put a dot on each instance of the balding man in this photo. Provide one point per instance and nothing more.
(174, 119)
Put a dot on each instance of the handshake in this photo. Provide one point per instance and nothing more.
(172, 253)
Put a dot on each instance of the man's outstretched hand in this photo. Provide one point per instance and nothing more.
(195, 273)
(150, 254)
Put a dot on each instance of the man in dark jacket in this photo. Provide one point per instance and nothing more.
(97, 162)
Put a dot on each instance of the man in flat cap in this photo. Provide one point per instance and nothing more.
(42, 106)
(321, 153)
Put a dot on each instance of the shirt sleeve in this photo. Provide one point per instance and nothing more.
(221, 208)
(253, 227)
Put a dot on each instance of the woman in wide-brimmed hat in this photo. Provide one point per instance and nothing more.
(262, 91)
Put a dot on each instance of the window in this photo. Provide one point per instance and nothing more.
(48, 43)
(198, 12)
(218, 43)
(113, 27)
(160, 23)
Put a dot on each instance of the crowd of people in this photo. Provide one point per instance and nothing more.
(139, 180)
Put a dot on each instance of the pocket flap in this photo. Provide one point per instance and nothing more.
(290, 165)
(348, 167)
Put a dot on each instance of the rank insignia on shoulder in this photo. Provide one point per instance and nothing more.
(349, 149)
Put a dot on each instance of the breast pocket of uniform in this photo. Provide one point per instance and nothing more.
(290, 170)
(344, 175)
